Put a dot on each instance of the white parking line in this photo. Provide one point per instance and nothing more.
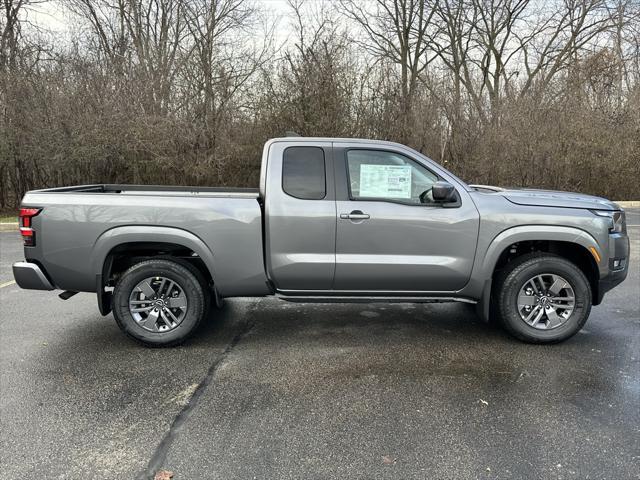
(6, 284)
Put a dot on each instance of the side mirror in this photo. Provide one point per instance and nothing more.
(443, 192)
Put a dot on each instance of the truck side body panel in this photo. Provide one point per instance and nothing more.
(503, 224)
(77, 230)
(300, 234)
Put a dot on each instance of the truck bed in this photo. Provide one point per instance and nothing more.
(78, 227)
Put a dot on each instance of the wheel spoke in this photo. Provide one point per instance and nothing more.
(151, 322)
(557, 286)
(532, 313)
(168, 313)
(562, 302)
(147, 289)
(533, 284)
(141, 309)
(568, 298)
(564, 307)
(178, 302)
(162, 282)
(524, 300)
(538, 316)
(555, 320)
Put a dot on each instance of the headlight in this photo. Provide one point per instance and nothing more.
(616, 217)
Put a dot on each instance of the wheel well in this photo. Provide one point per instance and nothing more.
(123, 256)
(573, 252)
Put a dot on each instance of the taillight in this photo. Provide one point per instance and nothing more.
(26, 228)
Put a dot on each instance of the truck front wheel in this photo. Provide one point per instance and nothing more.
(542, 298)
(158, 303)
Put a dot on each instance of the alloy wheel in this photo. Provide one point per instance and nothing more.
(546, 301)
(158, 304)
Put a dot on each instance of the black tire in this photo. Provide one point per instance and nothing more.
(513, 277)
(189, 283)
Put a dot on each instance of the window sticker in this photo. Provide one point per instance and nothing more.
(385, 181)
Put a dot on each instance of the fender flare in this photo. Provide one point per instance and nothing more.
(139, 233)
(142, 233)
(525, 233)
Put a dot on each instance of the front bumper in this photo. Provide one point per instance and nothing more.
(619, 257)
(30, 276)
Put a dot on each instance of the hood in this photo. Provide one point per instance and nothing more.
(550, 198)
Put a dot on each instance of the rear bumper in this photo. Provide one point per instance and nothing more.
(30, 276)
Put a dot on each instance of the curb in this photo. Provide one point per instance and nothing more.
(627, 204)
(9, 227)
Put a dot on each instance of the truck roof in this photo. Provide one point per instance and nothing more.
(335, 139)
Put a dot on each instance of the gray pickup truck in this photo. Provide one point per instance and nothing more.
(334, 220)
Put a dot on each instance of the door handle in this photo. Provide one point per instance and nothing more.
(355, 215)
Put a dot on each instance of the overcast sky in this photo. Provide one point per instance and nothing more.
(52, 15)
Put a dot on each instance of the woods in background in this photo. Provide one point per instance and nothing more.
(503, 92)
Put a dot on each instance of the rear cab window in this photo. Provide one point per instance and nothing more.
(304, 173)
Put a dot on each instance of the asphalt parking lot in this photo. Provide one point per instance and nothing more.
(277, 390)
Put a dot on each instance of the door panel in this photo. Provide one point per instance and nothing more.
(405, 248)
(300, 232)
(390, 234)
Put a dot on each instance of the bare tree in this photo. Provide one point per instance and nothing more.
(107, 21)
(142, 39)
(219, 63)
(311, 93)
(9, 31)
(558, 38)
(397, 31)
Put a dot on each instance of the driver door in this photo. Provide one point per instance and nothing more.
(391, 236)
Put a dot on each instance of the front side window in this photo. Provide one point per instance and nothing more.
(382, 175)
(303, 173)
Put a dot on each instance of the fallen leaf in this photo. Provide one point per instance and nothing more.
(163, 475)
(388, 460)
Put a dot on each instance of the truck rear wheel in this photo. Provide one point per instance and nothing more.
(159, 303)
(542, 298)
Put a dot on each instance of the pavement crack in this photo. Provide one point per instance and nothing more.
(160, 454)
